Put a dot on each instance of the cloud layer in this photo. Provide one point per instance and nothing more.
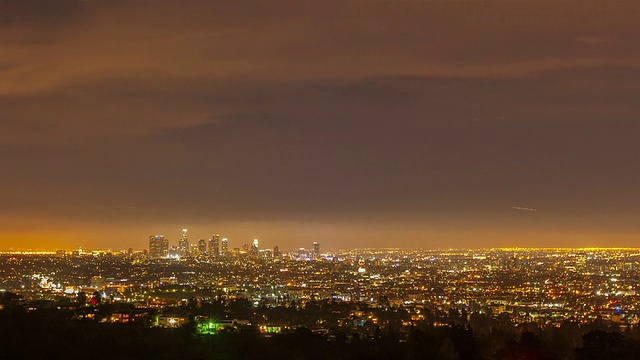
(342, 121)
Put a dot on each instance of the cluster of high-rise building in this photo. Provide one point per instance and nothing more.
(216, 248)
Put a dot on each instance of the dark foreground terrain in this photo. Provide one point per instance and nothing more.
(53, 335)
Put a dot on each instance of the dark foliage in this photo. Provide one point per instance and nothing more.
(52, 334)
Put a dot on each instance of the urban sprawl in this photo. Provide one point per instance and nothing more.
(162, 285)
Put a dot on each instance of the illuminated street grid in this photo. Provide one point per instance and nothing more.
(543, 286)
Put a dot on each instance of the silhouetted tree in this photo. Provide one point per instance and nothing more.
(601, 345)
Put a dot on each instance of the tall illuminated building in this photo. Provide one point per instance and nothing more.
(214, 246)
(315, 253)
(202, 246)
(183, 244)
(254, 248)
(276, 251)
(225, 247)
(158, 247)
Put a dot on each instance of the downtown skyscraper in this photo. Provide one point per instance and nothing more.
(255, 251)
(183, 244)
(202, 247)
(225, 247)
(315, 252)
(158, 247)
(214, 246)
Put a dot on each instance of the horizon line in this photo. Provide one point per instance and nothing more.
(468, 249)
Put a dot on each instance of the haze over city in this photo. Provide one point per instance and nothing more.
(415, 124)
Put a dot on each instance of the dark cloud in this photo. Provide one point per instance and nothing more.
(428, 121)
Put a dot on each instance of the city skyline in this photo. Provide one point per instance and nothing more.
(563, 301)
(423, 124)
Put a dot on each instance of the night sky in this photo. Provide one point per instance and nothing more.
(379, 123)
